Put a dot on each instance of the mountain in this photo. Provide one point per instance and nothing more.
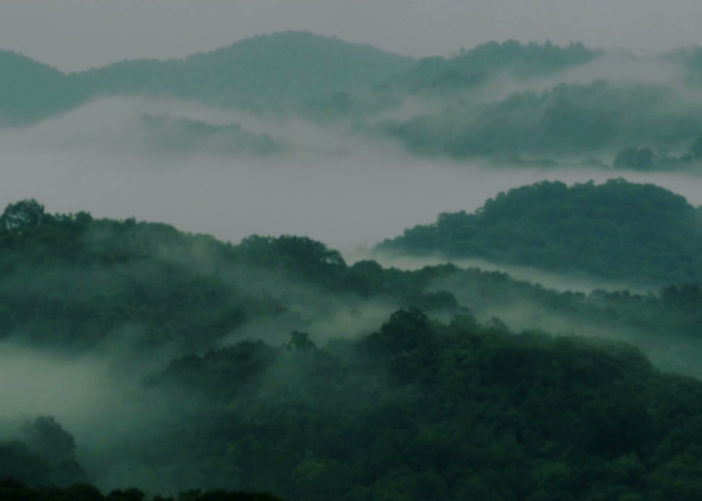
(268, 72)
(617, 230)
(478, 66)
(264, 71)
(566, 120)
(275, 366)
(31, 91)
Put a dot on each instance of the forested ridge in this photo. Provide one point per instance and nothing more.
(431, 396)
(619, 230)
(508, 103)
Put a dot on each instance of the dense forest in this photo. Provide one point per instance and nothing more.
(282, 369)
(619, 230)
(12, 490)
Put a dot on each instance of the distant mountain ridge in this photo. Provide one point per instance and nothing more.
(31, 91)
(263, 71)
(474, 67)
(276, 71)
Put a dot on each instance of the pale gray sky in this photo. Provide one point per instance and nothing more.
(78, 34)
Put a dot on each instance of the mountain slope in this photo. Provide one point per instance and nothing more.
(403, 407)
(617, 230)
(266, 72)
(30, 90)
(282, 67)
(477, 66)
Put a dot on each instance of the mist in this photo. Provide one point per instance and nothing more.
(564, 282)
(333, 187)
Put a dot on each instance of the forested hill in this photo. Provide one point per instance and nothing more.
(618, 230)
(263, 72)
(474, 67)
(280, 67)
(316, 380)
(288, 71)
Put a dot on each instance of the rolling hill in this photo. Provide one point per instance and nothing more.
(617, 230)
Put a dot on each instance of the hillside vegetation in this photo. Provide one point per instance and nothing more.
(619, 230)
(430, 397)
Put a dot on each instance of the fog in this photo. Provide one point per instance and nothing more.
(331, 187)
(617, 67)
(573, 282)
(79, 34)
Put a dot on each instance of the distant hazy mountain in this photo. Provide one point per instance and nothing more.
(181, 135)
(31, 91)
(470, 68)
(259, 71)
(576, 118)
(618, 230)
(263, 72)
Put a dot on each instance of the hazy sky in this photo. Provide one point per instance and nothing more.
(78, 34)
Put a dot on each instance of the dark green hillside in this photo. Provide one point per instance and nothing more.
(429, 402)
(420, 410)
(72, 281)
(617, 230)
(282, 69)
(13, 490)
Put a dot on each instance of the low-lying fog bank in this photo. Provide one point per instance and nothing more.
(331, 187)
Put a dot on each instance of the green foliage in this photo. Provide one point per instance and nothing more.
(49, 439)
(636, 159)
(465, 410)
(28, 464)
(11, 490)
(618, 230)
(416, 408)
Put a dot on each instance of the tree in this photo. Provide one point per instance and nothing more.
(300, 341)
(46, 436)
(20, 215)
(635, 158)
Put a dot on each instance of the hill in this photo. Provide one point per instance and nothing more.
(478, 66)
(266, 71)
(638, 233)
(569, 119)
(279, 72)
(32, 91)
(283, 369)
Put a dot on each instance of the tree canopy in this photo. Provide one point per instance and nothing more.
(618, 230)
